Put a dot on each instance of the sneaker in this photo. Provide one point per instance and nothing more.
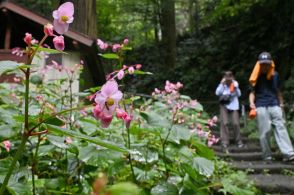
(268, 160)
(225, 148)
(240, 145)
(288, 158)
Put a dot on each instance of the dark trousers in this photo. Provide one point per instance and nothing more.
(233, 116)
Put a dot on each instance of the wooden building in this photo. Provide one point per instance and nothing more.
(15, 21)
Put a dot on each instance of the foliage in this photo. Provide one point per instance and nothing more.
(62, 166)
(51, 142)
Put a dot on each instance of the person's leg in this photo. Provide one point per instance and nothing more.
(264, 127)
(224, 125)
(281, 133)
(236, 126)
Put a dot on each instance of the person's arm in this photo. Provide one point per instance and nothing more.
(220, 88)
(280, 97)
(237, 91)
(252, 100)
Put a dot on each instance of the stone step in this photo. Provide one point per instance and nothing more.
(250, 147)
(245, 137)
(274, 183)
(254, 167)
(245, 156)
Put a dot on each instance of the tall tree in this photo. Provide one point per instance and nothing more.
(168, 28)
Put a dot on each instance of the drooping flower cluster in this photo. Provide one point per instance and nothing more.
(172, 97)
(211, 139)
(115, 47)
(107, 105)
(107, 99)
(63, 16)
(120, 74)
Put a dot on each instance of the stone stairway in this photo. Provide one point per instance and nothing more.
(274, 178)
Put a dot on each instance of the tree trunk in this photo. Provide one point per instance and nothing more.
(168, 27)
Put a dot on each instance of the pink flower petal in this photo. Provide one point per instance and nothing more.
(105, 121)
(55, 15)
(100, 99)
(117, 96)
(109, 88)
(66, 9)
(60, 28)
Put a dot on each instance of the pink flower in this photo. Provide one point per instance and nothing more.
(107, 100)
(116, 47)
(48, 29)
(120, 74)
(58, 42)
(121, 113)
(212, 140)
(7, 145)
(63, 16)
(131, 70)
(157, 91)
(138, 66)
(97, 111)
(179, 85)
(17, 51)
(126, 41)
(215, 119)
(68, 140)
(128, 120)
(28, 38)
(102, 45)
(105, 120)
(84, 112)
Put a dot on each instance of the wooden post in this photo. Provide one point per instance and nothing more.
(7, 37)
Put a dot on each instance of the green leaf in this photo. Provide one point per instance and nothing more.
(19, 189)
(203, 166)
(95, 157)
(4, 167)
(54, 121)
(7, 131)
(57, 141)
(164, 189)
(110, 56)
(203, 150)
(126, 48)
(95, 140)
(155, 119)
(8, 65)
(179, 133)
(142, 72)
(124, 188)
(48, 50)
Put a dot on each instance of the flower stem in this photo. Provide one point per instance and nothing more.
(129, 155)
(164, 145)
(25, 134)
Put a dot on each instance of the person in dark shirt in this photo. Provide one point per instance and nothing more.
(266, 98)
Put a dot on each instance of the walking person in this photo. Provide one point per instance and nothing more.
(266, 98)
(229, 92)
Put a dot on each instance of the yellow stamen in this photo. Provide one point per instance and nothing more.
(109, 101)
(64, 18)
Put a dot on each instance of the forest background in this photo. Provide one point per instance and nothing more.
(192, 41)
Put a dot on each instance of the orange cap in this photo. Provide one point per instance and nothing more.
(252, 113)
